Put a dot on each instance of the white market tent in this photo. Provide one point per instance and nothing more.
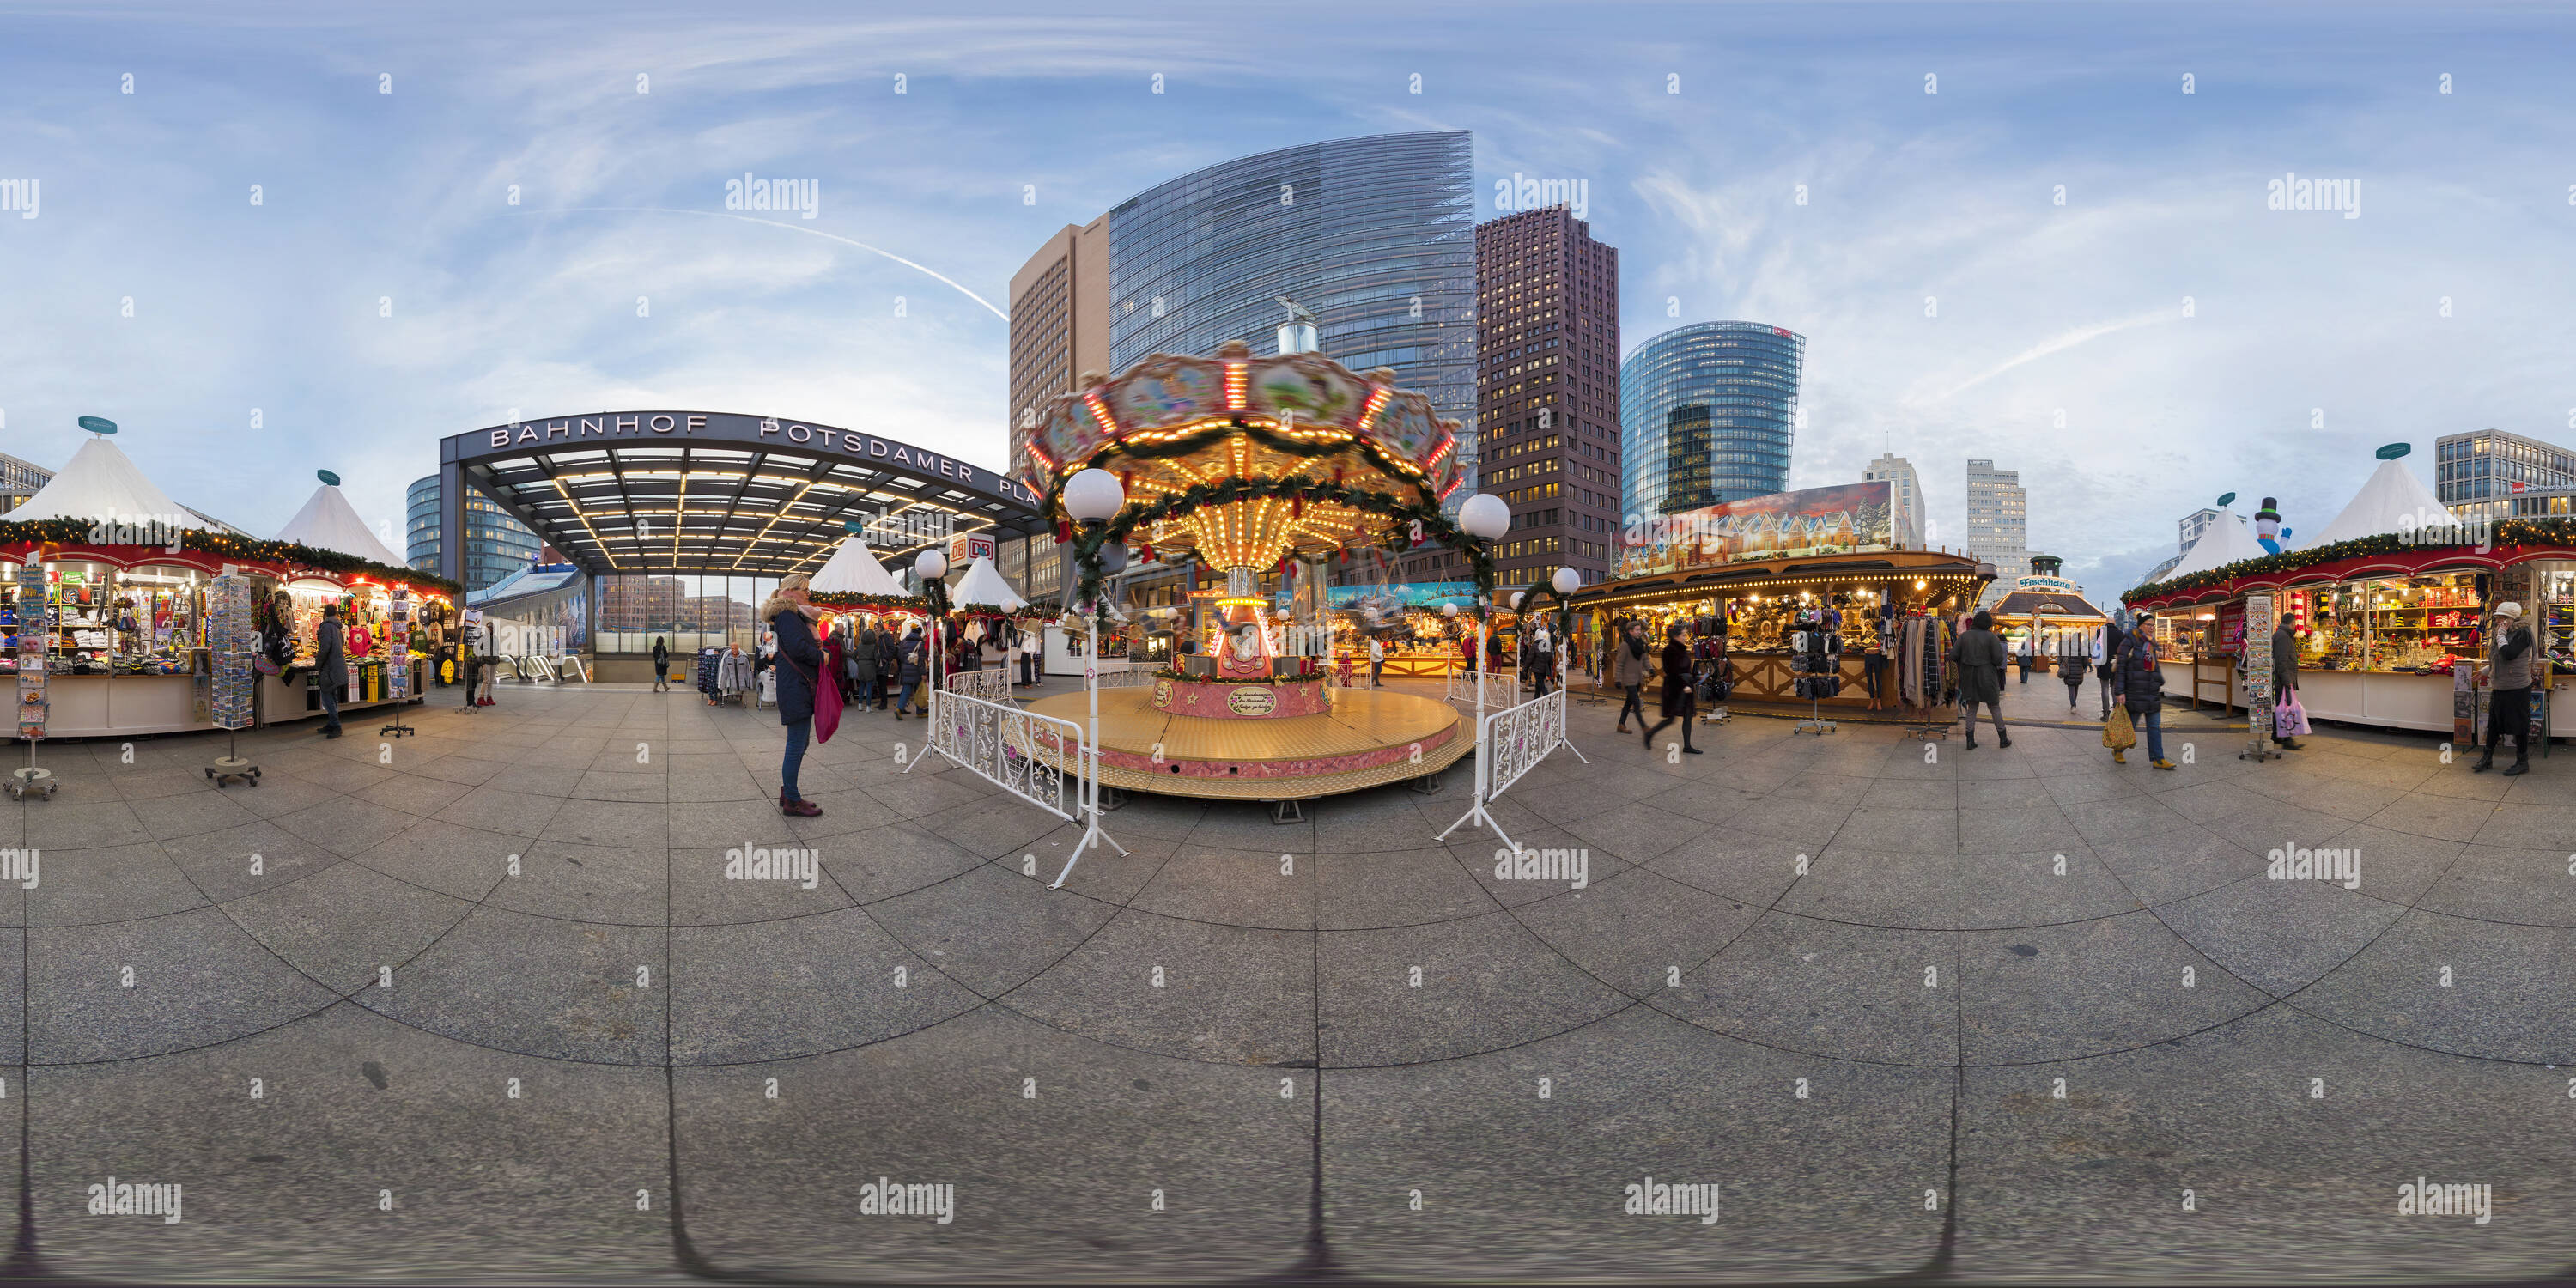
(100, 482)
(2392, 499)
(2225, 541)
(329, 522)
(854, 570)
(983, 584)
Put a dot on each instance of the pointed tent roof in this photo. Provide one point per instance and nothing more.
(2225, 541)
(2391, 493)
(99, 481)
(854, 570)
(983, 584)
(328, 522)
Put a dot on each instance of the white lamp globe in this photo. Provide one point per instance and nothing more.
(932, 565)
(1567, 581)
(1448, 610)
(1517, 595)
(1484, 516)
(1093, 496)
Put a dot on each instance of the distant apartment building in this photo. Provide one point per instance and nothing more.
(2489, 474)
(20, 480)
(1905, 496)
(1998, 524)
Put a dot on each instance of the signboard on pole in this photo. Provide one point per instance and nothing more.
(2257, 655)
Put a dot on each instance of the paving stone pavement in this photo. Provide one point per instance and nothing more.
(482, 1004)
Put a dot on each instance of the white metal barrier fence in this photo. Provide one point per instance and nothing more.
(1501, 688)
(990, 685)
(1510, 743)
(1134, 677)
(1036, 758)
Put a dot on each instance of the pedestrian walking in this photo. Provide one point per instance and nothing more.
(2026, 656)
(865, 656)
(1681, 697)
(801, 664)
(1628, 667)
(2140, 685)
(2106, 650)
(331, 659)
(912, 661)
(1377, 663)
(2285, 678)
(2509, 681)
(661, 665)
(2074, 661)
(1542, 662)
(1980, 657)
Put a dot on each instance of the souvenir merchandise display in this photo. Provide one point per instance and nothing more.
(34, 643)
(230, 635)
(1815, 643)
(1925, 676)
(398, 632)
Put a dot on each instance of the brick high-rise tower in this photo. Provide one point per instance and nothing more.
(1547, 393)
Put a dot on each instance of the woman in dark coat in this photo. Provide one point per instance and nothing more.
(863, 661)
(800, 664)
(912, 661)
(661, 665)
(1681, 697)
(2140, 685)
(1982, 657)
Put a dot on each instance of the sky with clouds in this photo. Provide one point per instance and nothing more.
(2158, 338)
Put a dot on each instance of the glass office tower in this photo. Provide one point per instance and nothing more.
(496, 545)
(1376, 235)
(1707, 413)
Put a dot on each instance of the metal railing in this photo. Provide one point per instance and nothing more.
(1036, 758)
(1502, 688)
(990, 685)
(1134, 677)
(1510, 743)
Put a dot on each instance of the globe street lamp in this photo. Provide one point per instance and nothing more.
(1483, 517)
(1091, 498)
(1566, 582)
(930, 567)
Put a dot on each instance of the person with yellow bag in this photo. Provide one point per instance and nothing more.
(2141, 689)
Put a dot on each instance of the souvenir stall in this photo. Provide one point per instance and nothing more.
(2389, 607)
(1839, 607)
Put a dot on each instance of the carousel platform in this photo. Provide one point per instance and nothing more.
(1368, 739)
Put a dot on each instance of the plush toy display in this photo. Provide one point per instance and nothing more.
(2268, 529)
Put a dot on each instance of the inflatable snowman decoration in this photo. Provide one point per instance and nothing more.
(2268, 529)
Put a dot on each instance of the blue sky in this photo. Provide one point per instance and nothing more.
(2295, 318)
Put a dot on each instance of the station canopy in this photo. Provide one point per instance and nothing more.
(725, 493)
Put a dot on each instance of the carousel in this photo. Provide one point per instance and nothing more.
(1248, 465)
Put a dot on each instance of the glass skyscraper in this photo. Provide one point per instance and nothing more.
(496, 545)
(1376, 235)
(1707, 413)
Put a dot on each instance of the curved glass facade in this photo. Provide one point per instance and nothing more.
(1707, 413)
(496, 545)
(1376, 235)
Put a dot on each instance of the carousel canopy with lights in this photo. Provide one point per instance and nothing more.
(1252, 459)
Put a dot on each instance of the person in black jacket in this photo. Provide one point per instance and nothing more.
(661, 665)
(800, 664)
(2141, 686)
(1681, 697)
(1979, 653)
(2104, 656)
(911, 662)
(330, 657)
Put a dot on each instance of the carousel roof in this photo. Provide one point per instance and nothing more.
(2059, 603)
(1298, 421)
(984, 584)
(2225, 541)
(329, 522)
(853, 570)
(100, 481)
(2390, 500)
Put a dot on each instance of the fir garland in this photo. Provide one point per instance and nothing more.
(846, 600)
(2550, 531)
(226, 545)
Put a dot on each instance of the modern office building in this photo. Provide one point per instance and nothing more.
(1376, 236)
(2489, 474)
(1998, 523)
(20, 480)
(1905, 493)
(1708, 413)
(1547, 377)
(496, 545)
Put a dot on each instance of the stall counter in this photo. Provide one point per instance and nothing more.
(2391, 699)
